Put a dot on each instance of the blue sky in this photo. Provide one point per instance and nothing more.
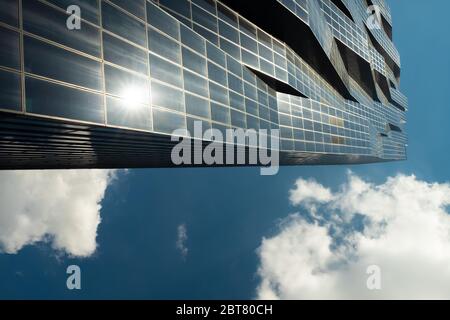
(227, 212)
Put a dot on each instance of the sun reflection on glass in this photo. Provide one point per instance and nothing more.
(134, 96)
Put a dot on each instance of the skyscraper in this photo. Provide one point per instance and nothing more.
(107, 91)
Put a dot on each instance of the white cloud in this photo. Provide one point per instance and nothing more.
(60, 207)
(181, 240)
(309, 190)
(405, 231)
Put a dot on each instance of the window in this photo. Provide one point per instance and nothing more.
(220, 114)
(228, 32)
(274, 117)
(265, 126)
(208, 35)
(285, 120)
(124, 54)
(195, 84)
(249, 44)
(249, 76)
(165, 71)
(126, 84)
(9, 12)
(194, 62)
(123, 25)
(9, 48)
(222, 129)
(235, 83)
(167, 97)
(264, 113)
(136, 7)
(252, 122)
(287, 145)
(247, 28)
(250, 59)
(123, 114)
(218, 93)
(236, 101)
(217, 74)
(49, 61)
(251, 107)
(208, 5)
(89, 8)
(227, 15)
(192, 40)
(162, 21)
(309, 136)
(164, 46)
(10, 91)
(216, 55)
(49, 23)
(299, 134)
(59, 101)
(182, 7)
(262, 98)
(266, 53)
(230, 48)
(337, 140)
(197, 106)
(167, 122)
(297, 122)
(204, 19)
(264, 38)
(266, 67)
(234, 67)
(286, 132)
(193, 123)
(238, 119)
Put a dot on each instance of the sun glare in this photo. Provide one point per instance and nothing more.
(134, 96)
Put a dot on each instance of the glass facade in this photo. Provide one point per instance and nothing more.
(152, 67)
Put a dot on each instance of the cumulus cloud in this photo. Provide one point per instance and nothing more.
(309, 191)
(325, 251)
(59, 207)
(181, 240)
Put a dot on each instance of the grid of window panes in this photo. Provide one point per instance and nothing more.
(385, 10)
(319, 26)
(380, 94)
(377, 61)
(378, 114)
(298, 7)
(345, 29)
(133, 65)
(399, 97)
(252, 46)
(379, 33)
(315, 127)
(10, 61)
(390, 75)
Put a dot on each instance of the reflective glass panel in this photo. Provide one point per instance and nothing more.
(124, 54)
(54, 100)
(52, 62)
(50, 23)
(123, 25)
(10, 91)
(9, 48)
(124, 114)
